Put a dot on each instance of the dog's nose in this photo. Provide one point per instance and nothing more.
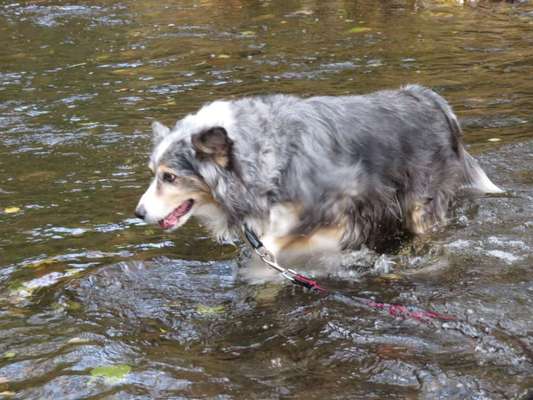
(140, 212)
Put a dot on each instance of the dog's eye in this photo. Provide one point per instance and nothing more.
(168, 177)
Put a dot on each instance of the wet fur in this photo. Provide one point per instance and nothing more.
(332, 171)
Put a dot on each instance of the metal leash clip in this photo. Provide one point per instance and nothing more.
(268, 258)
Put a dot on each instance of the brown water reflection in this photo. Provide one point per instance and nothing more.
(84, 284)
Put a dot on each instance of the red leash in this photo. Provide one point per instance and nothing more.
(394, 310)
(398, 310)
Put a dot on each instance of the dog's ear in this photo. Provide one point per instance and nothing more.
(213, 144)
(160, 131)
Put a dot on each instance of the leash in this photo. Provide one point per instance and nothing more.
(269, 259)
(394, 310)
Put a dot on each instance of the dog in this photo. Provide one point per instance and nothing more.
(310, 175)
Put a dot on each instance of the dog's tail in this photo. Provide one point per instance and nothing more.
(474, 177)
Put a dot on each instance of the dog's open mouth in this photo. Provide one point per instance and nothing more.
(173, 218)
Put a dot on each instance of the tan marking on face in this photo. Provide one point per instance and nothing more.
(161, 198)
(182, 189)
(223, 161)
(161, 169)
(164, 168)
(192, 183)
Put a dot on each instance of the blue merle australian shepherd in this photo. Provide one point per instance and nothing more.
(312, 175)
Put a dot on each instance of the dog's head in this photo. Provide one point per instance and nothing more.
(178, 162)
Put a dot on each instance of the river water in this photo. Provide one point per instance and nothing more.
(96, 305)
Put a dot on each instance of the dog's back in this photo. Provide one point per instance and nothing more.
(377, 164)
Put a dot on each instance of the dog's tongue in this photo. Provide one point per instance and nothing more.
(169, 221)
(172, 218)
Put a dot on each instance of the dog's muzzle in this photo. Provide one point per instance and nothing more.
(140, 212)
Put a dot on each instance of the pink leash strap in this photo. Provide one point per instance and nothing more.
(394, 310)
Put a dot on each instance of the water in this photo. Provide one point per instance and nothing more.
(85, 285)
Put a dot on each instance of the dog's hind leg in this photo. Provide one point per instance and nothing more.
(425, 214)
(320, 241)
(418, 218)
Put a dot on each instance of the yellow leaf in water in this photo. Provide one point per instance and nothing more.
(72, 271)
(73, 306)
(11, 210)
(207, 310)
(248, 33)
(9, 354)
(494, 139)
(359, 29)
(41, 263)
(391, 277)
(224, 56)
(7, 393)
(112, 372)
(102, 57)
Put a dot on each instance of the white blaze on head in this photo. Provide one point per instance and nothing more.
(218, 113)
